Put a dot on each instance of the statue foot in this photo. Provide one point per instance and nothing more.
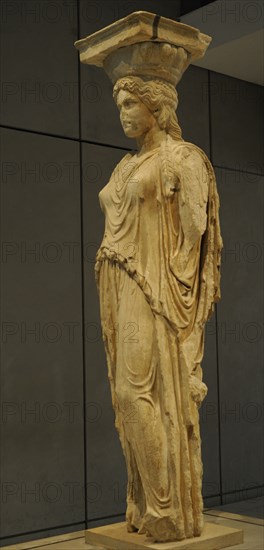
(133, 518)
(142, 530)
(162, 529)
(198, 528)
(131, 528)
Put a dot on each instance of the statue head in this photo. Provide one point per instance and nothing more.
(156, 101)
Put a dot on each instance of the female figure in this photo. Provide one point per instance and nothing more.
(157, 272)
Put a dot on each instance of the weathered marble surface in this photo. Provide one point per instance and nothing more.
(157, 272)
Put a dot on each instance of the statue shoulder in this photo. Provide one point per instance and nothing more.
(184, 168)
(186, 152)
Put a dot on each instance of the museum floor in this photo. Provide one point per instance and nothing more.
(247, 515)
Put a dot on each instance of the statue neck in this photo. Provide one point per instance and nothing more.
(150, 140)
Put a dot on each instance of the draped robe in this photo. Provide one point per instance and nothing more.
(157, 271)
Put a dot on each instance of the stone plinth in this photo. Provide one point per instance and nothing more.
(116, 537)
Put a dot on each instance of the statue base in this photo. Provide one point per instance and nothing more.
(116, 537)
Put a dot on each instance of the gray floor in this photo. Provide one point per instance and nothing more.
(245, 515)
(253, 507)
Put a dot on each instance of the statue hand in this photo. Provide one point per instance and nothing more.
(198, 389)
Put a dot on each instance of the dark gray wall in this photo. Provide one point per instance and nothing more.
(61, 462)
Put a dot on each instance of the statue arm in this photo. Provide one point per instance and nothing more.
(193, 199)
(193, 195)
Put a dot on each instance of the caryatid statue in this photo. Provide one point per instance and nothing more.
(157, 271)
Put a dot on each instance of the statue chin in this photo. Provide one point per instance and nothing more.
(129, 132)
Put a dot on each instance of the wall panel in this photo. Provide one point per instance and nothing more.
(42, 462)
(237, 124)
(39, 66)
(209, 415)
(240, 331)
(193, 109)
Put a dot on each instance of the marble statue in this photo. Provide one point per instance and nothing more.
(158, 273)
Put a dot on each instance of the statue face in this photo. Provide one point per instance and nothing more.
(135, 117)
